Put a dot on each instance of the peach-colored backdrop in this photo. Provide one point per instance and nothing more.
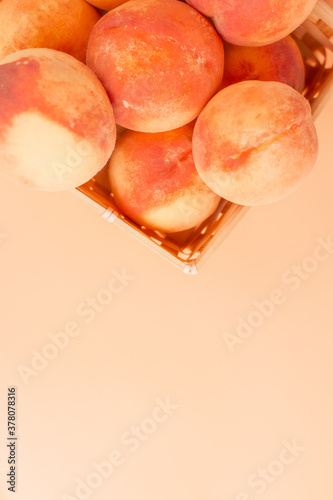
(166, 386)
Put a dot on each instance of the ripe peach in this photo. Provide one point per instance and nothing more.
(255, 22)
(57, 128)
(254, 142)
(155, 183)
(106, 4)
(63, 25)
(280, 61)
(159, 61)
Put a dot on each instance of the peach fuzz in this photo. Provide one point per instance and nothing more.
(255, 142)
(57, 128)
(159, 61)
(280, 62)
(63, 25)
(255, 22)
(106, 4)
(155, 183)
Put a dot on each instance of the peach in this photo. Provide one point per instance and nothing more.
(57, 128)
(106, 4)
(255, 142)
(155, 183)
(63, 25)
(159, 61)
(255, 22)
(280, 61)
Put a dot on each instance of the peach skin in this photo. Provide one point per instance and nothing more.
(106, 4)
(279, 61)
(255, 142)
(159, 61)
(57, 128)
(63, 25)
(155, 183)
(254, 22)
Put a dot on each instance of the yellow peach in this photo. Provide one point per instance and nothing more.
(255, 22)
(159, 61)
(280, 61)
(57, 127)
(155, 183)
(63, 25)
(255, 142)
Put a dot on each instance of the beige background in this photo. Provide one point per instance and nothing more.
(164, 337)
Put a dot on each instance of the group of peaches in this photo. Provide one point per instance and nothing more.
(185, 102)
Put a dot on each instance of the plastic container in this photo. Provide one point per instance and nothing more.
(188, 250)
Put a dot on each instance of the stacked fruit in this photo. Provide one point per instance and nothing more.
(209, 92)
